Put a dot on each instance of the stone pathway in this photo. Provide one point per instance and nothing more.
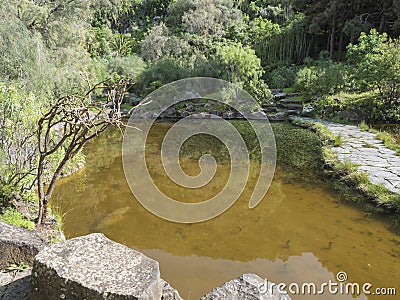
(370, 154)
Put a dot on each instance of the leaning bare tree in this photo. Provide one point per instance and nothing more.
(66, 127)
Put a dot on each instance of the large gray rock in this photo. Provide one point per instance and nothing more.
(14, 286)
(249, 287)
(18, 245)
(94, 267)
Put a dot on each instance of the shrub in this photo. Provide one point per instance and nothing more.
(282, 77)
(376, 60)
(127, 66)
(323, 78)
(14, 217)
(161, 72)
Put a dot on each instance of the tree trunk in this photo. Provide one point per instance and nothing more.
(40, 184)
(44, 197)
(382, 23)
(333, 32)
(341, 45)
(332, 40)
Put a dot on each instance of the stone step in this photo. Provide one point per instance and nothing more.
(291, 106)
(280, 96)
(271, 109)
(291, 95)
(291, 101)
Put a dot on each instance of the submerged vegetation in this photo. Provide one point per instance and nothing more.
(342, 56)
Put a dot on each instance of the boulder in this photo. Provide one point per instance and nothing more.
(14, 286)
(169, 293)
(94, 267)
(247, 286)
(18, 245)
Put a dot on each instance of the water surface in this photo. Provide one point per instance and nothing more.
(301, 231)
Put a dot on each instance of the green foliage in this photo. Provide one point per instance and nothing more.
(346, 167)
(239, 64)
(338, 142)
(159, 43)
(322, 78)
(43, 46)
(14, 217)
(6, 194)
(364, 126)
(290, 44)
(127, 66)
(210, 19)
(260, 29)
(282, 77)
(99, 41)
(377, 62)
(389, 141)
(161, 72)
(20, 112)
(277, 11)
(323, 132)
(18, 267)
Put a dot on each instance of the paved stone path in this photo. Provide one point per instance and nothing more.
(370, 154)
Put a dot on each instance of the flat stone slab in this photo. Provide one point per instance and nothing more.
(18, 245)
(249, 287)
(94, 267)
(381, 164)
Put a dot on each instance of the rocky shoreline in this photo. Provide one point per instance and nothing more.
(94, 267)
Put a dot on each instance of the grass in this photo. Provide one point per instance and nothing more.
(338, 141)
(346, 167)
(389, 141)
(364, 126)
(126, 106)
(18, 267)
(14, 217)
(359, 103)
(289, 90)
(323, 132)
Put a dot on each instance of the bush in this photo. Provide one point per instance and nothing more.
(240, 65)
(376, 60)
(282, 77)
(14, 217)
(127, 66)
(323, 78)
(161, 72)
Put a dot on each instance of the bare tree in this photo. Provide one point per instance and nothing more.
(66, 127)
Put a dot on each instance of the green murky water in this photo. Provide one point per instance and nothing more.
(301, 231)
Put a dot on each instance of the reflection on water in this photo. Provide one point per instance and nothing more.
(299, 233)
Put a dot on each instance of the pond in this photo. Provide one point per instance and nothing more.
(301, 231)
